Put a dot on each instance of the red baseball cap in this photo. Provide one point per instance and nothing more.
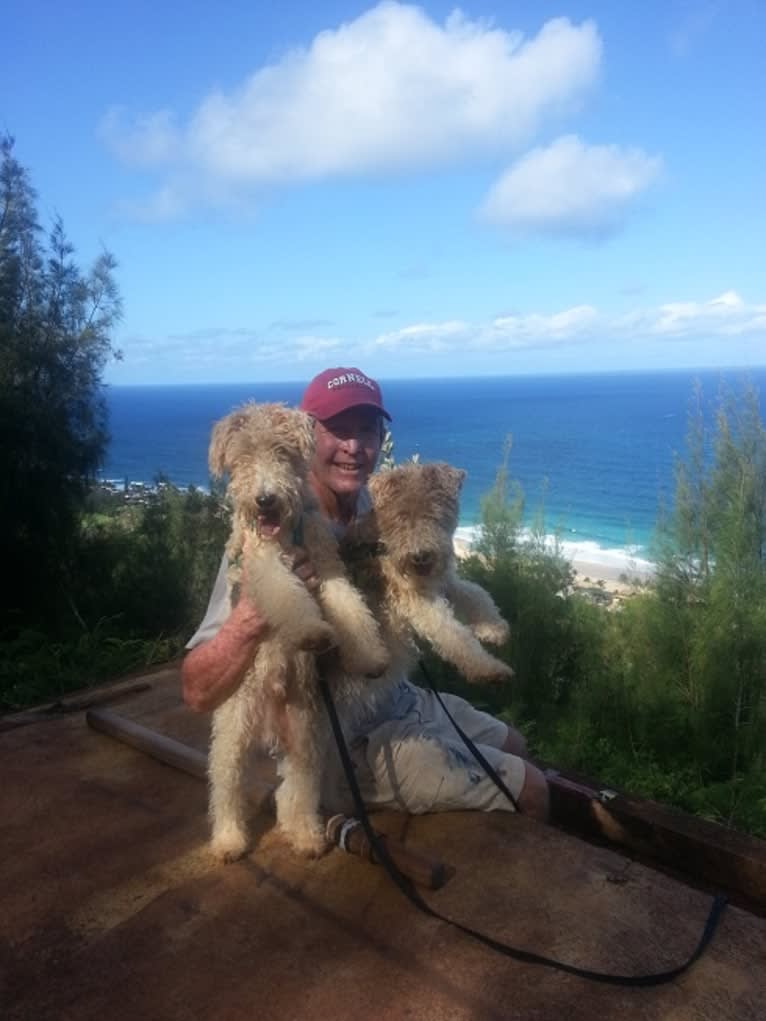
(337, 390)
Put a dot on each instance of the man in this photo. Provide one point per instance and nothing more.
(408, 755)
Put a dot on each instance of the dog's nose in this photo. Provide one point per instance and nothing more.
(265, 501)
(422, 561)
(422, 557)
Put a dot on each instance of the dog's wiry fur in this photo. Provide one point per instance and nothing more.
(413, 583)
(266, 450)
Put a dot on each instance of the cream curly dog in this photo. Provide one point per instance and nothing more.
(411, 579)
(266, 449)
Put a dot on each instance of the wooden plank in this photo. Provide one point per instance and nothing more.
(706, 852)
(73, 704)
(150, 742)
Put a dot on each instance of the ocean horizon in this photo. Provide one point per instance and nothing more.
(593, 453)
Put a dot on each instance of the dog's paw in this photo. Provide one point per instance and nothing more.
(502, 673)
(308, 841)
(370, 664)
(319, 638)
(377, 670)
(229, 845)
(492, 633)
(495, 672)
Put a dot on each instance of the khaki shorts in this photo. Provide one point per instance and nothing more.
(418, 762)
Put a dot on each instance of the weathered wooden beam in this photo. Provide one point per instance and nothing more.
(72, 704)
(703, 851)
(150, 742)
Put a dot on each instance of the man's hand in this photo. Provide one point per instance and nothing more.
(214, 670)
(245, 621)
(304, 569)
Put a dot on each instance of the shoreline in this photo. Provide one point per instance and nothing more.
(606, 575)
(616, 571)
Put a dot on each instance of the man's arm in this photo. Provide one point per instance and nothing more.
(213, 670)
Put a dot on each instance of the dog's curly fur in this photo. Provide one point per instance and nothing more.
(412, 582)
(266, 450)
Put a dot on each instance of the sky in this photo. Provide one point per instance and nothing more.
(416, 190)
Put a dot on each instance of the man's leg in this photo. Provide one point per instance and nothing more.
(515, 743)
(417, 772)
(534, 798)
(484, 729)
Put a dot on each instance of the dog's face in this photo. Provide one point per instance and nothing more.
(416, 512)
(266, 450)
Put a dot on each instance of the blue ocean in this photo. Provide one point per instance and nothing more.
(597, 451)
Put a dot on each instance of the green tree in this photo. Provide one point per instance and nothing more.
(731, 640)
(528, 577)
(55, 338)
(152, 567)
(664, 695)
(683, 689)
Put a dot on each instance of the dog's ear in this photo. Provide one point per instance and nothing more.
(384, 484)
(304, 434)
(456, 478)
(224, 431)
(291, 430)
(447, 478)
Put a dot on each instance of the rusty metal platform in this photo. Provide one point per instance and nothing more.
(111, 908)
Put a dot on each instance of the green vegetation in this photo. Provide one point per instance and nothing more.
(55, 327)
(141, 574)
(94, 584)
(664, 696)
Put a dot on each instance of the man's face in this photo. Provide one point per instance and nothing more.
(346, 449)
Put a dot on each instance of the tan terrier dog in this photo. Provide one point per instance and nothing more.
(266, 450)
(411, 578)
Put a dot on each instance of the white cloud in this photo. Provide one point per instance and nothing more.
(500, 334)
(229, 352)
(226, 348)
(720, 318)
(694, 24)
(569, 187)
(534, 328)
(726, 315)
(167, 203)
(425, 337)
(390, 90)
(309, 347)
(146, 140)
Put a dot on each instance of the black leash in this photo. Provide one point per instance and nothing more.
(526, 956)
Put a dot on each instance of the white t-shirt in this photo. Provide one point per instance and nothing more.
(219, 606)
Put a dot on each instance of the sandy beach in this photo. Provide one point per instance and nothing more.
(615, 573)
(611, 580)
